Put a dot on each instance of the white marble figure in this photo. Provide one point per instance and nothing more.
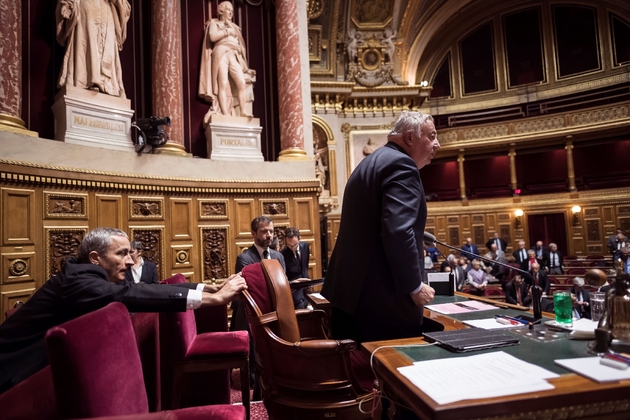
(320, 168)
(370, 147)
(352, 44)
(224, 74)
(389, 35)
(93, 32)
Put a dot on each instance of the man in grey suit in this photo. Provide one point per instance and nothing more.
(374, 279)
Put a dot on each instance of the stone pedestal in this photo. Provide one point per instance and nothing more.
(91, 118)
(234, 138)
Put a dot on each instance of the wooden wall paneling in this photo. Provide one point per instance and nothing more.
(18, 267)
(623, 218)
(608, 215)
(505, 231)
(306, 215)
(279, 230)
(479, 234)
(146, 208)
(275, 208)
(465, 225)
(109, 211)
(65, 205)
(189, 276)
(12, 294)
(491, 224)
(334, 221)
(181, 257)
(244, 212)
(181, 219)
(61, 242)
(153, 239)
(215, 209)
(453, 236)
(19, 229)
(215, 256)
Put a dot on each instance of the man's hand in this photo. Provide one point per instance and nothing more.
(424, 296)
(213, 288)
(228, 292)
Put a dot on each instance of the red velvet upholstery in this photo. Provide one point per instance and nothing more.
(147, 331)
(97, 371)
(300, 377)
(184, 352)
(33, 398)
(166, 415)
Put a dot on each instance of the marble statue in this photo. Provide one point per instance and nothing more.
(225, 78)
(93, 32)
(389, 35)
(320, 166)
(352, 44)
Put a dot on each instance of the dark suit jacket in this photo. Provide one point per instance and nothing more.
(491, 241)
(612, 243)
(469, 250)
(297, 268)
(461, 277)
(510, 293)
(79, 289)
(586, 297)
(543, 281)
(517, 255)
(378, 258)
(560, 260)
(543, 260)
(149, 274)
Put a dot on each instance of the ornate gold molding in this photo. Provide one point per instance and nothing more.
(15, 125)
(331, 45)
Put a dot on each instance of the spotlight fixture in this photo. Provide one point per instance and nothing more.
(518, 214)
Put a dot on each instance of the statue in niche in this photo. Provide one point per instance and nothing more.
(389, 35)
(225, 78)
(93, 32)
(320, 155)
(352, 44)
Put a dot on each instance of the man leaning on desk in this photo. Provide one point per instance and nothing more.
(374, 280)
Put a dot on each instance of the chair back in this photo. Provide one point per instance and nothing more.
(96, 366)
(147, 330)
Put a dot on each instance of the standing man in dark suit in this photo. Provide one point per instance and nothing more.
(469, 248)
(616, 241)
(520, 254)
(374, 279)
(498, 241)
(141, 271)
(87, 282)
(541, 253)
(555, 262)
(539, 278)
(296, 254)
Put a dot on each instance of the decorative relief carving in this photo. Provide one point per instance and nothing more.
(145, 208)
(453, 236)
(18, 267)
(65, 205)
(486, 132)
(477, 218)
(454, 219)
(591, 212)
(504, 231)
(623, 210)
(372, 14)
(214, 252)
(62, 243)
(595, 249)
(479, 233)
(213, 209)
(504, 217)
(624, 224)
(599, 115)
(430, 230)
(181, 257)
(151, 238)
(539, 124)
(274, 208)
(430, 221)
(592, 230)
(315, 8)
(279, 231)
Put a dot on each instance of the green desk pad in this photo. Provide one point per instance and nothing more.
(539, 353)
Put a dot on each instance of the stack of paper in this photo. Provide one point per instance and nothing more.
(480, 376)
(460, 307)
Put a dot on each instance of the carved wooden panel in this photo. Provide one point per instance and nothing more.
(65, 205)
(11, 297)
(19, 229)
(453, 236)
(624, 224)
(504, 217)
(625, 210)
(505, 233)
(181, 256)
(213, 209)
(304, 215)
(430, 230)
(578, 245)
(491, 223)
(430, 221)
(465, 224)
(61, 243)
(180, 219)
(452, 220)
(608, 215)
(146, 208)
(595, 249)
(477, 218)
(591, 212)
(333, 232)
(577, 231)
(18, 267)
(279, 230)
(109, 211)
(275, 208)
(153, 240)
(592, 230)
(244, 216)
(214, 252)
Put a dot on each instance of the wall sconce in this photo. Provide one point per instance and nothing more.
(576, 210)
(517, 221)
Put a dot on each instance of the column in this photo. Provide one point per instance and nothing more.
(166, 72)
(11, 67)
(570, 170)
(512, 155)
(290, 81)
(462, 177)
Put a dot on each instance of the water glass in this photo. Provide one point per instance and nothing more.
(563, 307)
(597, 305)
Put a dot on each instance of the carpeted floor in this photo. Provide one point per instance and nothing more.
(258, 411)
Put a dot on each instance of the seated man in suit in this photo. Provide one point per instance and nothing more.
(498, 241)
(539, 278)
(141, 271)
(296, 254)
(581, 299)
(516, 292)
(520, 254)
(87, 282)
(617, 241)
(555, 262)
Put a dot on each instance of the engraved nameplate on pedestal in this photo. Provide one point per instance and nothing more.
(91, 118)
(234, 138)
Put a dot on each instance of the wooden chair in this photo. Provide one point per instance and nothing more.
(494, 293)
(303, 375)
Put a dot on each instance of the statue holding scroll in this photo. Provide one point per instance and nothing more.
(225, 78)
(93, 32)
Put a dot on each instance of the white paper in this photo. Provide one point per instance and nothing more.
(460, 307)
(317, 295)
(480, 376)
(583, 329)
(489, 324)
(592, 369)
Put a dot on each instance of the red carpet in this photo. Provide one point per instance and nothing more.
(258, 410)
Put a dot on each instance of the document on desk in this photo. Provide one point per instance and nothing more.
(480, 376)
(460, 307)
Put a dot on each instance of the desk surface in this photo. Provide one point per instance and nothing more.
(573, 396)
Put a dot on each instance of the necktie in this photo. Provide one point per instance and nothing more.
(553, 259)
(523, 255)
(536, 280)
(520, 297)
(265, 255)
(496, 241)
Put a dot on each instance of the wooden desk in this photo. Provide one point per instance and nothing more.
(573, 396)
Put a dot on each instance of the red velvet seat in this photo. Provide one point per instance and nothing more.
(33, 398)
(494, 292)
(303, 374)
(96, 369)
(576, 271)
